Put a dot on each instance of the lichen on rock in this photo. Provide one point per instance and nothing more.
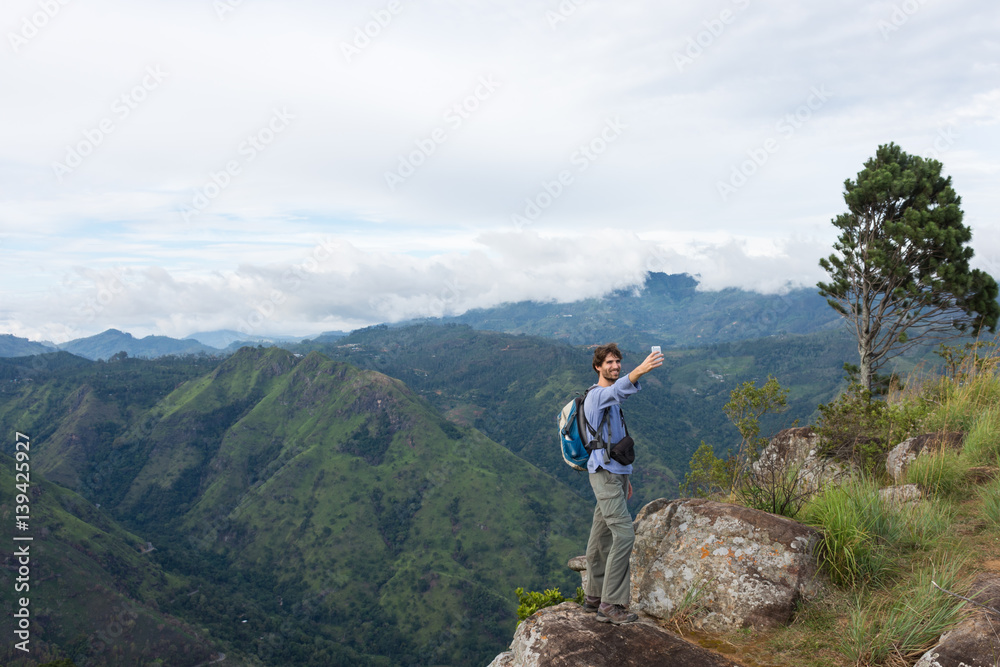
(741, 567)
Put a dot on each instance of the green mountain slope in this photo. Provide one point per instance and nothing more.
(75, 407)
(512, 386)
(330, 508)
(94, 596)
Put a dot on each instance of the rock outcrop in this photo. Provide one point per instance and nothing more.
(797, 450)
(906, 452)
(901, 495)
(976, 641)
(564, 636)
(579, 564)
(741, 567)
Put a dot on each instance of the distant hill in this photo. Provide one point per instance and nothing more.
(12, 346)
(668, 310)
(109, 343)
(227, 339)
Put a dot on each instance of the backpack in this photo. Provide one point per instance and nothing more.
(575, 433)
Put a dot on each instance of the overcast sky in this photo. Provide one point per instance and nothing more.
(296, 167)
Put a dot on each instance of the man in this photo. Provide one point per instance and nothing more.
(611, 535)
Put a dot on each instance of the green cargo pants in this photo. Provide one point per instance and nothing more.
(611, 537)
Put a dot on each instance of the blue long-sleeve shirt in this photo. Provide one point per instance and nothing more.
(597, 400)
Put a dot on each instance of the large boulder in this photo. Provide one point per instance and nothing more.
(902, 455)
(564, 636)
(739, 566)
(974, 642)
(798, 450)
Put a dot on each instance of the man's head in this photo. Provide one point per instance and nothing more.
(608, 362)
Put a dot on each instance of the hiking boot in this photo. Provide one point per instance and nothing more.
(616, 614)
(591, 605)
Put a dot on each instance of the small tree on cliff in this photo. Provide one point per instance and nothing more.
(900, 272)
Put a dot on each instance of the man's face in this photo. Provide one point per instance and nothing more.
(611, 368)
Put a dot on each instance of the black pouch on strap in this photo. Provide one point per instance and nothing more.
(623, 451)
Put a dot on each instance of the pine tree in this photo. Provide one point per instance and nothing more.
(900, 272)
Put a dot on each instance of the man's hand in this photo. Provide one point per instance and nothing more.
(654, 360)
(628, 496)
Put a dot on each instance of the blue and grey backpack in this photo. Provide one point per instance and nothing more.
(576, 434)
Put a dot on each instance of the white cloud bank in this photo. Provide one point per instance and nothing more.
(335, 285)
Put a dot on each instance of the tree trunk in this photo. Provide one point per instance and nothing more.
(865, 348)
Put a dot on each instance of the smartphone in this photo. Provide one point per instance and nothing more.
(656, 348)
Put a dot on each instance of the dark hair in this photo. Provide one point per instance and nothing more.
(602, 352)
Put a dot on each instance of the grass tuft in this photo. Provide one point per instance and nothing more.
(989, 494)
(982, 444)
(896, 628)
(859, 528)
(941, 473)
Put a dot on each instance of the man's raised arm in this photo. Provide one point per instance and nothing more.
(654, 360)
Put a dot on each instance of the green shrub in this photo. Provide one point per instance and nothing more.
(772, 487)
(856, 427)
(734, 477)
(971, 359)
(940, 473)
(709, 474)
(530, 602)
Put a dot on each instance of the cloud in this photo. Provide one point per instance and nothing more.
(336, 285)
(413, 99)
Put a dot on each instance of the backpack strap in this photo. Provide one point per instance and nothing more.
(597, 436)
